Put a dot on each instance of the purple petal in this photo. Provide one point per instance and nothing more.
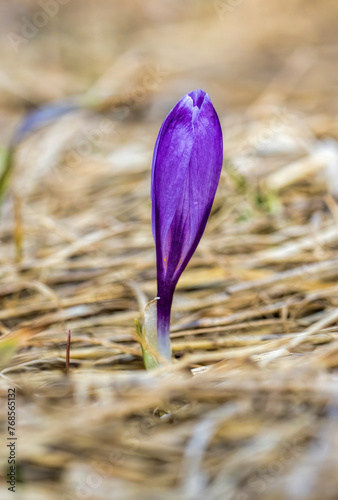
(41, 117)
(186, 169)
(172, 150)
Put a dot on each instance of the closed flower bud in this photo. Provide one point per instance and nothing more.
(186, 169)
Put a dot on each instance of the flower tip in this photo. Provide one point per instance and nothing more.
(198, 96)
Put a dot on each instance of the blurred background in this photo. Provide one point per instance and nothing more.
(238, 50)
(268, 67)
(77, 251)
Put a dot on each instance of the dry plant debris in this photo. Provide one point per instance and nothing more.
(249, 408)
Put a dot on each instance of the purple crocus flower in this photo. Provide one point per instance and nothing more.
(186, 168)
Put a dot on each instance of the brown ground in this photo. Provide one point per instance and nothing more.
(249, 408)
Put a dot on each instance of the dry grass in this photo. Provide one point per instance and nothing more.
(248, 409)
